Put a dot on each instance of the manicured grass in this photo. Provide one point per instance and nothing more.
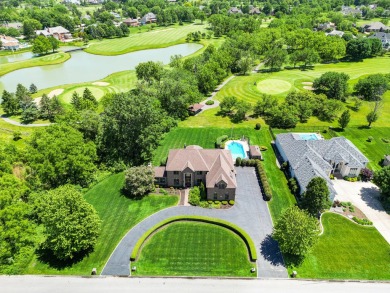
(205, 137)
(97, 91)
(347, 251)
(55, 58)
(158, 38)
(194, 249)
(273, 86)
(118, 214)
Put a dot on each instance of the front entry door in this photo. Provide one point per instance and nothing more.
(187, 180)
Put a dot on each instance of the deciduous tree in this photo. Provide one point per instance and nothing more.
(316, 197)
(333, 84)
(139, 181)
(344, 119)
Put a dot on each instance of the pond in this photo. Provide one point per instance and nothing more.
(85, 67)
(15, 57)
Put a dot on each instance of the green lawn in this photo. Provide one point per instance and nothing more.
(194, 249)
(37, 61)
(347, 251)
(118, 214)
(158, 38)
(205, 137)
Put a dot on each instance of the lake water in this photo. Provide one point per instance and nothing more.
(85, 67)
(15, 57)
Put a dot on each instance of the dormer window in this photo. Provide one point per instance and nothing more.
(221, 185)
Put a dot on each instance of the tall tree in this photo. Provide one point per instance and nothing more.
(316, 197)
(131, 128)
(265, 105)
(344, 119)
(359, 48)
(54, 43)
(72, 225)
(373, 115)
(275, 58)
(382, 180)
(333, 84)
(9, 103)
(58, 155)
(372, 87)
(139, 181)
(33, 89)
(296, 231)
(304, 102)
(149, 71)
(227, 104)
(41, 45)
(44, 107)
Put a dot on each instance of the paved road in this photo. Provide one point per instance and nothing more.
(40, 284)
(13, 122)
(365, 196)
(250, 213)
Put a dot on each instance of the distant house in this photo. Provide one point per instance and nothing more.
(383, 37)
(131, 22)
(375, 27)
(194, 165)
(75, 2)
(326, 26)
(58, 32)
(254, 10)
(254, 152)
(115, 15)
(308, 157)
(95, 2)
(234, 10)
(347, 10)
(335, 33)
(9, 43)
(195, 109)
(386, 160)
(17, 25)
(149, 18)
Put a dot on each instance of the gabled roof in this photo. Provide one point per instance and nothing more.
(217, 162)
(377, 25)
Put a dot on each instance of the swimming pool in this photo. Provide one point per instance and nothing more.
(308, 136)
(237, 150)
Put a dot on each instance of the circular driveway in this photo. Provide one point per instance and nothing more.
(250, 213)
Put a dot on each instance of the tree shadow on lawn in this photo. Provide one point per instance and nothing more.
(46, 256)
(270, 251)
(371, 197)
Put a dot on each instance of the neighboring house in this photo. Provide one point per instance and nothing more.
(75, 2)
(234, 10)
(194, 165)
(131, 22)
(58, 32)
(149, 18)
(383, 37)
(335, 33)
(254, 152)
(254, 10)
(95, 2)
(9, 43)
(375, 27)
(326, 26)
(319, 158)
(195, 109)
(347, 10)
(386, 160)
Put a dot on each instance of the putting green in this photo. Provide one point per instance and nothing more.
(97, 92)
(273, 86)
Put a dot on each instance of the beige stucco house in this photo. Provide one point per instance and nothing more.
(194, 165)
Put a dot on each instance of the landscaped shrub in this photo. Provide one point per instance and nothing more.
(224, 202)
(217, 202)
(194, 196)
(263, 148)
(163, 191)
(351, 179)
(238, 161)
(385, 140)
(362, 221)
(370, 139)
(331, 176)
(243, 163)
(258, 126)
(220, 141)
(351, 209)
(263, 180)
(240, 232)
(231, 202)
(292, 184)
(210, 201)
(209, 102)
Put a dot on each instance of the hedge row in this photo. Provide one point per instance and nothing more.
(263, 180)
(240, 232)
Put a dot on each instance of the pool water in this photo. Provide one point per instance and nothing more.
(237, 150)
(308, 136)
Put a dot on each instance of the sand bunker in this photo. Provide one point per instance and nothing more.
(101, 83)
(53, 93)
(307, 83)
(308, 88)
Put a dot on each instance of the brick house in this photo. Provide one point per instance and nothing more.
(194, 165)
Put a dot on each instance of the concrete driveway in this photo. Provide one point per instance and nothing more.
(250, 213)
(365, 196)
